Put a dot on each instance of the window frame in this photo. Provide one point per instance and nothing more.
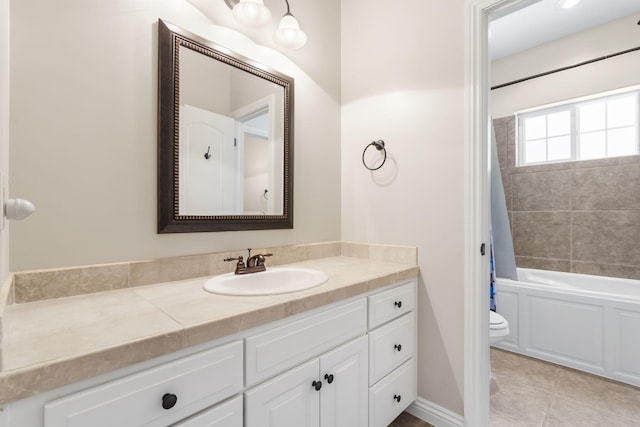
(573, 106)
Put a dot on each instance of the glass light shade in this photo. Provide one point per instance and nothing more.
(568, 4)
(289, 35)
(252, 13)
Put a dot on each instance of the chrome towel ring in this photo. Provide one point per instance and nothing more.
(379, 145)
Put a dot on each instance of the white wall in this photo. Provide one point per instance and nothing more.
(403, 82)
(4, 127)
(83, 130)
(613, 73)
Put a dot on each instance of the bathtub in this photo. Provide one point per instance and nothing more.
(590, 323)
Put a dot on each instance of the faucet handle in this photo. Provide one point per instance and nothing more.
(240, 267)
(260, 259)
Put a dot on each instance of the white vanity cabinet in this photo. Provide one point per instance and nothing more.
(226, 414)
(392, 341)
(347, 364)
(155, 397)
(366, 382)
(329, 391)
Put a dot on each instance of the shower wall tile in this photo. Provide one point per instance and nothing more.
(629, 159)
(542, 168)
(501, 131)
(542, 234)
(507, 186)
(607, 237)
(602, 198)
(511, 149)
(551, 264)
(611, 187)
(510, 214)
(596, 163)
(542, 191)
(609, 270)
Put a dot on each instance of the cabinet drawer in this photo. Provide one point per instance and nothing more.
(198, 381)
(391, 345)
(392, 395)
(281, 348)
(388, 305)
(227, 414)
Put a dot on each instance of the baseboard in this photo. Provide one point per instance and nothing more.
(435, 414)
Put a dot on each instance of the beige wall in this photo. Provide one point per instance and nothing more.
(613, 73)
(83, 130)
(83, 134)
(403, 82)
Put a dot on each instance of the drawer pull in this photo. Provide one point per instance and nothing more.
(397, 397)
(169, 400)
(398, 347)
(329, 378)
(398, 304)
(317, 385)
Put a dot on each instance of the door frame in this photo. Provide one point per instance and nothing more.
(476, 204)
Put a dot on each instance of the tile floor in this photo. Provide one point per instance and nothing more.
(527, 392)
(405, 419)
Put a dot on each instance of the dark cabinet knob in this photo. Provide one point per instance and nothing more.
(329, 378)
(398, 304)
(169, 400)
(317, 385)
(397, 397)
(398, 347)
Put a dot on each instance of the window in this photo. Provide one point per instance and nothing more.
(606, 126)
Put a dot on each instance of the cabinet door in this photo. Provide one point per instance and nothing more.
(289, 400)
(344, 375)
(226, 414)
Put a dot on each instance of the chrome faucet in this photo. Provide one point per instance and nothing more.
(254, 263)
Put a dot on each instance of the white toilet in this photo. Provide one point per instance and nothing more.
(498, 331)
(498, 327)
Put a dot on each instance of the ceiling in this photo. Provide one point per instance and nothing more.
(544, 21)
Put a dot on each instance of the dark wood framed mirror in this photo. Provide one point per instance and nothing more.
(225, 138)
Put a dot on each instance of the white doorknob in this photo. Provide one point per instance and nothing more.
(18, 208)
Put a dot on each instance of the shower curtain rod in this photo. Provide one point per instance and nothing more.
(557, 70)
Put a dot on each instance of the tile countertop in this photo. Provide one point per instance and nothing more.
(51, 343)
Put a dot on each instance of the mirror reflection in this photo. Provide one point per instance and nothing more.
(228, 145)
(230, 140)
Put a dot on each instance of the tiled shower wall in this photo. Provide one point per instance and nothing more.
(581, 217)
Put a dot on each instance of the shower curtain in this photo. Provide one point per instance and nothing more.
(503, 260)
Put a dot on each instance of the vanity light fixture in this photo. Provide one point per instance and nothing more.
(253, 13)
(289, 35)
(568, 4)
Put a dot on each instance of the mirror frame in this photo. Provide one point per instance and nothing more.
(170, 39)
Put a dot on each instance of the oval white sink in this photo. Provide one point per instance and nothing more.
(275, 280)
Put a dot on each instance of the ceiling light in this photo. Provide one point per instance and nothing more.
(567, 4)
(253, 13)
